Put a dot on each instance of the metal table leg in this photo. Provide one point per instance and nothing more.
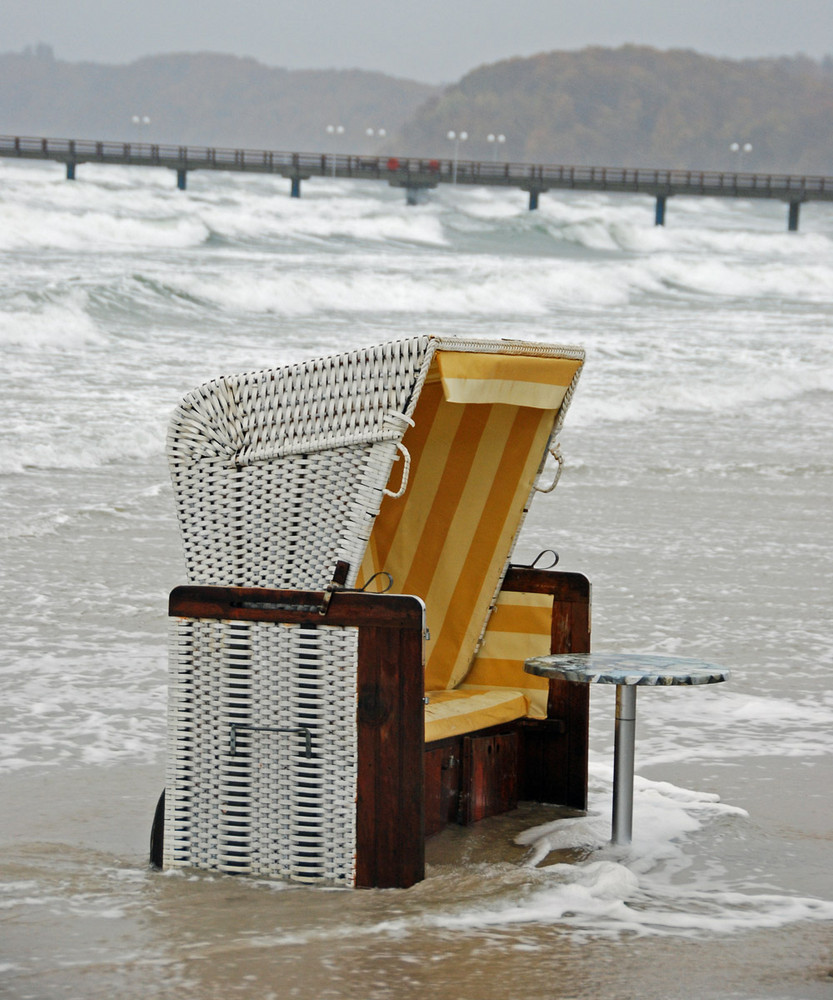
(623, 758)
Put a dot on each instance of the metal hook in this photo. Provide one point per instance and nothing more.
(541, 554)
(382, 572)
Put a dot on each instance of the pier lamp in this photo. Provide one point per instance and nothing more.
(497, 140)
(139, 122)
(456, 138)
(740, 149)
(334, 131)
(378, 133)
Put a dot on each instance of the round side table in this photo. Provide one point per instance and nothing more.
(627, 671)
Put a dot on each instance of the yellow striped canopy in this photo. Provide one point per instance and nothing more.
(480, 433)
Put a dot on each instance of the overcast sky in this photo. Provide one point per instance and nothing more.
(431, 40)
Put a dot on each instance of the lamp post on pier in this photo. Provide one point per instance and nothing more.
(496, 140)
(140, 122)
(740, 149)
(375, 137)
(456, 138)
(334, 131)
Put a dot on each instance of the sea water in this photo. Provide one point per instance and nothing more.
(696, 497)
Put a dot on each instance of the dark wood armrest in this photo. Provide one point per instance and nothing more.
(563, 762)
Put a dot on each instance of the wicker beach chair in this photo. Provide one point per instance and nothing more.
(319, 727)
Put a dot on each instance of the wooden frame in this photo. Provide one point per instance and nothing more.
(558, 771)
(551, 754)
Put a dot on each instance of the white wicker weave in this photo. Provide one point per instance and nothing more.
(279, 474)
(250, 800)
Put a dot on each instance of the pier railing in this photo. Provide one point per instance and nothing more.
(416, 173)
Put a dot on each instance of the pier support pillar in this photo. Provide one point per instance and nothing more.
(415, 195)
(416, 192)
(533, 200)
(792, 221)
(295, 189)
(70, 171)
(181, 179)
(659, 219)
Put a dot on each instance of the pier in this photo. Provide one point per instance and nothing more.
(418, 175)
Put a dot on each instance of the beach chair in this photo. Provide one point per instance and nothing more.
(347, 657)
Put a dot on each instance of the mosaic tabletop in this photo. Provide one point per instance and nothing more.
(626, 668)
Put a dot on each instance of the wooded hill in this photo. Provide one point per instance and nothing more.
(637, 106)
(632, 106)
(202, 99)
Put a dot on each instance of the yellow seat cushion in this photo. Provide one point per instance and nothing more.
(519, 627)
(451, 713)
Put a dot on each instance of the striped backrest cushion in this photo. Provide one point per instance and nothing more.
(519, 627)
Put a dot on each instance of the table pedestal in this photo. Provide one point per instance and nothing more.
(623, 763)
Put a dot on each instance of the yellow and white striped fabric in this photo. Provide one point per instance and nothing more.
(519, 627)
(517, 380)
(480, 434)
(454, 713)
